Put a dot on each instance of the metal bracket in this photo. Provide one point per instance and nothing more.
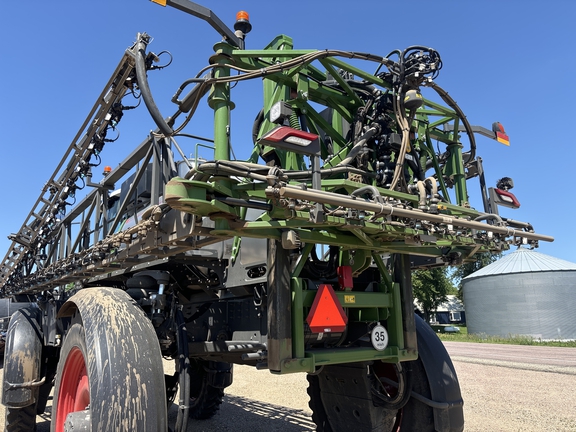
(205, 14)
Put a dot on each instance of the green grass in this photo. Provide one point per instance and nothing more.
(464, 336)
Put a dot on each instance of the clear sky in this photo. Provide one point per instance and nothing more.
(509, 61)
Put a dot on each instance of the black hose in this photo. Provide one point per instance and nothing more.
(256, 125)
(452, 104)
(145, 90)
(363, 87)
(414, 164)
(404, 389)
(183, 373)
(425, 400)
(320, 269)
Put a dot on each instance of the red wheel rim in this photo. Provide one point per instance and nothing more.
(74, 392)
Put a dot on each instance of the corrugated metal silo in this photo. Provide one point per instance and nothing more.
(524, 293)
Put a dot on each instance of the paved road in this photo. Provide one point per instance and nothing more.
(538, 358)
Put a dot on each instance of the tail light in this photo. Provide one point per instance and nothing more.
(505, 198)
(287, 138)
(501, 136)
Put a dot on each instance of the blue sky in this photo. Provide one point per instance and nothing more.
(508, 61)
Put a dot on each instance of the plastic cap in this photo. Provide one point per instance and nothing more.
(242, 15)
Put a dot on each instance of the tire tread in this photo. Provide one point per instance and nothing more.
(21, 419)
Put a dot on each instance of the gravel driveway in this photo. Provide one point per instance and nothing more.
(496, 398)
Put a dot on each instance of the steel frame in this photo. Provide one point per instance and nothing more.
(85, 247)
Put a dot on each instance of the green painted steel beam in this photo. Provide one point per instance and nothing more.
(332, 356)
(322, 357)
(358, 72)
(345, 86)
(441, 108)
(353, 299)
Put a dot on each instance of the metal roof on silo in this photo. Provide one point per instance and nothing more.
(523, 261)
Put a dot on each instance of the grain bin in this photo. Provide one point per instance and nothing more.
(523, 293)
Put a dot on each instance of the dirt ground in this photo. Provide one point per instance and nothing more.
(496, 399)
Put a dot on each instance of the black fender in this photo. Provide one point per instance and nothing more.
(219, 374)
(23, 359)
(7, 307)
(444, 387)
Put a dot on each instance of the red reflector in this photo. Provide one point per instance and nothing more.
(326, 314)
(502, 138)
(345, 277)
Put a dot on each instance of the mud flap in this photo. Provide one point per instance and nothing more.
(219, 374)
(22, 359)
(444, 387)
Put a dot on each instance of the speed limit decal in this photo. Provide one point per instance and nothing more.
(379, 337)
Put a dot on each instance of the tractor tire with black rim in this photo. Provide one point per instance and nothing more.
(342, 396)
(21, 419)
(319, 416)
(205, 400)
(110, 375)
(354, 407)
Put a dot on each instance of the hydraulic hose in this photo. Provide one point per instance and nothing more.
(422, 192)
(259, 172)
(256, 125)
(320, 269)
(425, 400)
(433, 184)
(452, 104)
(404, 124)
(414, 164)
(422, 195)
(359, 145)
(375, 193)
(495, 217)
(381, 397)
(145, 88)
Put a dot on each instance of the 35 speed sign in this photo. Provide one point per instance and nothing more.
(379, 337)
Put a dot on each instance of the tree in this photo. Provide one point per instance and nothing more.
(463, 270)
(431, 287)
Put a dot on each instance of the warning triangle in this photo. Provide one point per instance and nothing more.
(326, 314)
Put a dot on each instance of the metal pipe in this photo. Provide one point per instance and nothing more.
(207, 15)
(385, 209)
(245, 203)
